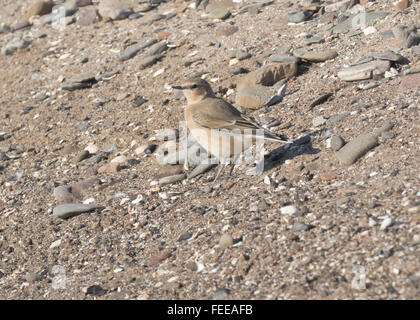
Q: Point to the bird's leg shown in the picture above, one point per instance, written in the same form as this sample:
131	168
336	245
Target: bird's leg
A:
218	174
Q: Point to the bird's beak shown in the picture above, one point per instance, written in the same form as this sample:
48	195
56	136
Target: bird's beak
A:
178	87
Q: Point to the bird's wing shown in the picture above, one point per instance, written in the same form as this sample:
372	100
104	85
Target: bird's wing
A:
215	113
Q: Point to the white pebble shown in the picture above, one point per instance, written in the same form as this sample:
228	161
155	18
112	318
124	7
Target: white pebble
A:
290	210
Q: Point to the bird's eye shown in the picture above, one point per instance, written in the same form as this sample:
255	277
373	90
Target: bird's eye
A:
194	86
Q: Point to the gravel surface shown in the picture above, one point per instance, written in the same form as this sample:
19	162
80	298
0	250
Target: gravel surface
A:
335	215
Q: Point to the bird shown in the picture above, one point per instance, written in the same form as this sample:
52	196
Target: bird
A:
221	129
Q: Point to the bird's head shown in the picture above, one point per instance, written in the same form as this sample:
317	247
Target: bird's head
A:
195	90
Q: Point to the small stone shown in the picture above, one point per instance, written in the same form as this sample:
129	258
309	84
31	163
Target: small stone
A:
39	8
284	58
226	241
55	244
364	71
109	168
389	55
300	226
336	143
172	179
401	5
82	156
157	48
221	293
135	16
239	70
315	56
87	17
319	121
134	49
95	290
289	210
185	236
191	265
387	222
300	16
157	259
253	97
148	61
63	194
69	210
14	45
122	160
388	135
115	9
219	13
26	110
20	25
241	55
227	31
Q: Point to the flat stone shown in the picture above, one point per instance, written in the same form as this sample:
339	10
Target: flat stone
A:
225	241
289	210
389	55
39	8
360	145
200	169
219	13
157	48
241	55
300	226
148	61
63	194
172	179
336	143
318	121
82	156
283	58
134	49
359	21
110	168
68	210
185	236
221	293
253	97
315	56
268	75
115	9
87	16
14	45
364	71
300	16
20	25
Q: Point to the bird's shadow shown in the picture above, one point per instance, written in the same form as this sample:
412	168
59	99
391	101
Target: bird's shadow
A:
278	156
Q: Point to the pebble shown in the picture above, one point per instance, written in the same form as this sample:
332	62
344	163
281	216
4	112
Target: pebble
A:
409	82
290	210
315	56
87	17
387	135
268	75
122	160
221	293
319	121
39	8
114	9
138	101
387	222
63	194
300	226
185	236
283	58
389	55
336	143
172	179
300	16
239	70
364	71
148	61
68	210
55	244
14	45
157	48
360	145
109	168
95	290
219	13
150	149
253	97
353	21
134	49
200	169
83	155
241	55
226	241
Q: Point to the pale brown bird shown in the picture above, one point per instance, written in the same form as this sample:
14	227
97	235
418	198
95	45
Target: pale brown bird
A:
221	129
